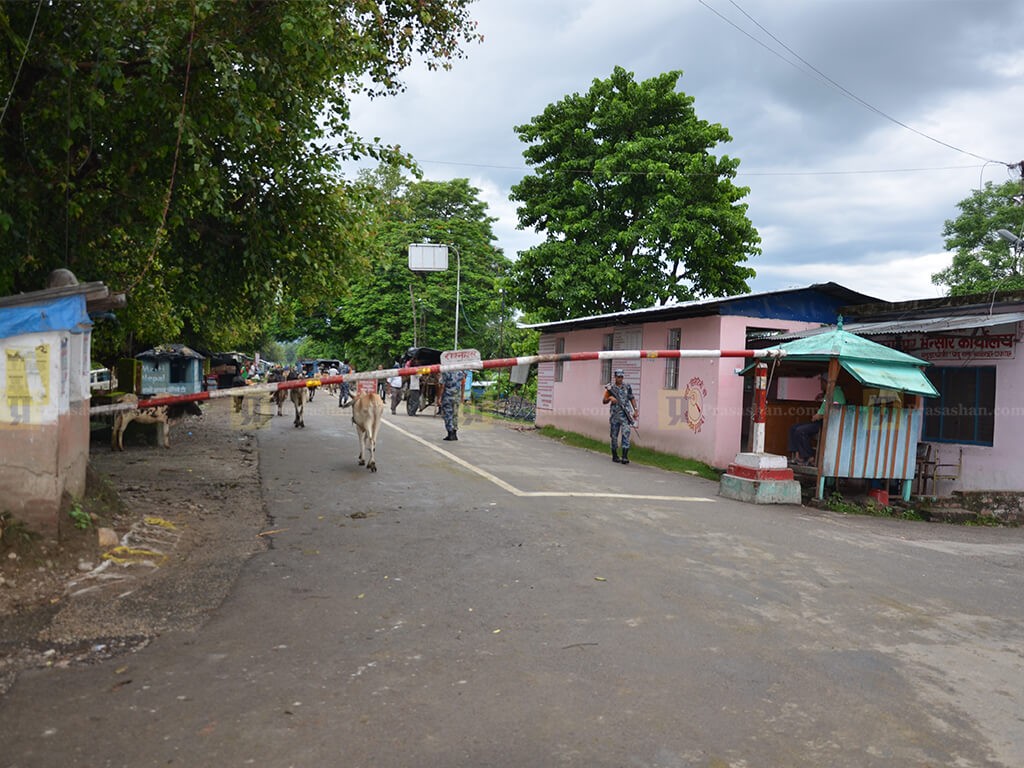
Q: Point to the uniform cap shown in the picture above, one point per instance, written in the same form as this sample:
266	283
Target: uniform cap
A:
619	372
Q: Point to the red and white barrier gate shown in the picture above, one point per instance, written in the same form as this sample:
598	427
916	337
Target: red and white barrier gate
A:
503	362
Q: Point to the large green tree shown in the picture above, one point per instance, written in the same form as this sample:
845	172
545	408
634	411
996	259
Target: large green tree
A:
188	151
982	260
635	207
390	308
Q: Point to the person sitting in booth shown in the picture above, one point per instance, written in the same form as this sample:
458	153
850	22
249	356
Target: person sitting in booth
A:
800	435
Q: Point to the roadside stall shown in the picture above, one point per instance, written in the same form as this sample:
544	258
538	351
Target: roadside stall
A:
173	369
874	435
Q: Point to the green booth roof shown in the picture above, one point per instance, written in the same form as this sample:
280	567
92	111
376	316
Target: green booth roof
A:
870	363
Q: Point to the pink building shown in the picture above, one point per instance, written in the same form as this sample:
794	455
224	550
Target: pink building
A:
697	408
972	435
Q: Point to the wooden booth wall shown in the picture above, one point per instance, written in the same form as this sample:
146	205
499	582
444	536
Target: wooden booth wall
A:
871	442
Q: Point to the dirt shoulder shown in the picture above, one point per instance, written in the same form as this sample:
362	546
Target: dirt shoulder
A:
186	518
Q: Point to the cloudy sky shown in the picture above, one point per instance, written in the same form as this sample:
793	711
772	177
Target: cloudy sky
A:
860	124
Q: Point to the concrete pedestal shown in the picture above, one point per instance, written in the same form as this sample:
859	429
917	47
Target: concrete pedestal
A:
760	478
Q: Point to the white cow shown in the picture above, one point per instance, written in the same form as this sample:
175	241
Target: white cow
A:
367	409
161	415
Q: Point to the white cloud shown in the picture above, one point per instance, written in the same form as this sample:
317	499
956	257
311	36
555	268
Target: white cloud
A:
887	276
951	70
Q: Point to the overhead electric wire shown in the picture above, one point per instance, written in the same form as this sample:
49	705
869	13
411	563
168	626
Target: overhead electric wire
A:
739	171
24	54
822	76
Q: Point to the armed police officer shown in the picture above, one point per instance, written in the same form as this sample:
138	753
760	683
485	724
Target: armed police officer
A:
622	414
451	386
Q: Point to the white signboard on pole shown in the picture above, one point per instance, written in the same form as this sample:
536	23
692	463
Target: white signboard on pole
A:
428	257
467	358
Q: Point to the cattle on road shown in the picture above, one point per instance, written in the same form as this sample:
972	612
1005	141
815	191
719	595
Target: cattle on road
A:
161	415
298	398
367	410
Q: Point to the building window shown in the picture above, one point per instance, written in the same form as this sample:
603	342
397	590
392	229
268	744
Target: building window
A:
559	365
672	364
179	371
964	411
607	344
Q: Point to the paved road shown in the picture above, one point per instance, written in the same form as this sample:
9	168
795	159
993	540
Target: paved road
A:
507	601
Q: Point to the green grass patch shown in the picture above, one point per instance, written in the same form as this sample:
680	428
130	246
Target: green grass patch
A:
837	503
637	454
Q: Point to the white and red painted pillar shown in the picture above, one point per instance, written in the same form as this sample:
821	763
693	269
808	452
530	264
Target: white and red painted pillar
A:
760	405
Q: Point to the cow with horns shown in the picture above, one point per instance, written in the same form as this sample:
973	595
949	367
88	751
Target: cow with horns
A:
367	410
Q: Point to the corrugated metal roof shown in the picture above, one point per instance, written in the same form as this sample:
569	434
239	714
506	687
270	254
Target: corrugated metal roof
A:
895	327
169	350
697	308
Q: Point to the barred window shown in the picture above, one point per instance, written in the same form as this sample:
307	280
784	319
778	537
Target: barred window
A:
672	364
179	371
607	344
559	365
964	411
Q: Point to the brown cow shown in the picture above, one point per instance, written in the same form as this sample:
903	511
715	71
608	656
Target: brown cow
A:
298	398
161	415
279	396
367	409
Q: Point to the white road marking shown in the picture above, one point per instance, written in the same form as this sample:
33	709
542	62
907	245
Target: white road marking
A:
506	486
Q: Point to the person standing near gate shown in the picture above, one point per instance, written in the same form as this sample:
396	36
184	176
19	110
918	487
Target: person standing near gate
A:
412	403
622	413
395	388
450	397
344	394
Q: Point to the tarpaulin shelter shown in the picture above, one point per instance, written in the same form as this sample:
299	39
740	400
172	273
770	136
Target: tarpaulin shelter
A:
46	337
878	438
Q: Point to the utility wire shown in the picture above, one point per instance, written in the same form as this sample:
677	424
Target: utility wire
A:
739	171
822	76
24	55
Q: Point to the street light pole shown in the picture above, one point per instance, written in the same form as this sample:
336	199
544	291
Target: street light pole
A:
1017	244
458	289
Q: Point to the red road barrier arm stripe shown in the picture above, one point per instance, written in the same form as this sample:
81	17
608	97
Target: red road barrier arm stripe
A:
423	370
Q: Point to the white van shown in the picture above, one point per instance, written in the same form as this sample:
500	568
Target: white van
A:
102	379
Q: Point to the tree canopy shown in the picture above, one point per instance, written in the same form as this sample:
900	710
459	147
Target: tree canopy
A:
635	207
189	152
982	260
390	308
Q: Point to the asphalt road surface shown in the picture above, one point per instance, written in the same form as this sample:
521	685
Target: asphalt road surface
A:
508	601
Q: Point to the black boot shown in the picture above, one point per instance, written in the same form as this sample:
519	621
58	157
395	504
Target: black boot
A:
450	436
615	456
455	434
625	455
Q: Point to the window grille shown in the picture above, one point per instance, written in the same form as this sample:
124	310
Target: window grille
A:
672	364
964	411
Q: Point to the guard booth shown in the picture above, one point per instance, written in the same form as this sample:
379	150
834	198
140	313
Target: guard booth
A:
874	436
174	369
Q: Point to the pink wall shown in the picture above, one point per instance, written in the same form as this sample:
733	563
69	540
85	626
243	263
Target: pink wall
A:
701	418
996	467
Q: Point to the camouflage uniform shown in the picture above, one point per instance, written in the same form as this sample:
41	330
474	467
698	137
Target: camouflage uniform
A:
618	417
450	400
